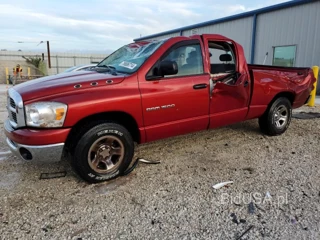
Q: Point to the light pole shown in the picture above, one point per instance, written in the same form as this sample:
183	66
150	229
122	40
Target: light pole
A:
48	51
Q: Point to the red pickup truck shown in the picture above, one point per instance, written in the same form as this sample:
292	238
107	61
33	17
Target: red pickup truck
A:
146	91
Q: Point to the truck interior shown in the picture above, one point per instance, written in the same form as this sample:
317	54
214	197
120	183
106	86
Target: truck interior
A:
222	62
188	58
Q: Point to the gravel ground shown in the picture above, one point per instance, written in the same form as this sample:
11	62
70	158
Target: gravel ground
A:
175	199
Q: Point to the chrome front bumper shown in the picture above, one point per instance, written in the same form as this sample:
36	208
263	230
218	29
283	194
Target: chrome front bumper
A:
34	153
41	153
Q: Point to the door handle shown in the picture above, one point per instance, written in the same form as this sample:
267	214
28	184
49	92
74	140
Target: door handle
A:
246	83
200	86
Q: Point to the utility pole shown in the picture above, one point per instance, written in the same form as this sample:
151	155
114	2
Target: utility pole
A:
49	58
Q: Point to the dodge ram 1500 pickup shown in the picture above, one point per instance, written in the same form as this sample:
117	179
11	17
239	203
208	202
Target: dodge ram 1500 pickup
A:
146	91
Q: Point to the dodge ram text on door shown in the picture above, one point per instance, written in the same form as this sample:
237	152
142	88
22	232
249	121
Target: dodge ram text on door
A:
146	91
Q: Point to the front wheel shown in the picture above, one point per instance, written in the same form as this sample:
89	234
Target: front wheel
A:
277	118
103	152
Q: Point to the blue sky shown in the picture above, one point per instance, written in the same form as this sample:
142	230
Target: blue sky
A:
104	25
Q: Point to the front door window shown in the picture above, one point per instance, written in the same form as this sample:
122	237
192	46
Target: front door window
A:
188	58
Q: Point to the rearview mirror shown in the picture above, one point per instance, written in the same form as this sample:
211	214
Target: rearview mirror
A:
168	68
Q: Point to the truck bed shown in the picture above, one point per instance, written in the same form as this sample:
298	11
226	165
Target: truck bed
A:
295	74
269	81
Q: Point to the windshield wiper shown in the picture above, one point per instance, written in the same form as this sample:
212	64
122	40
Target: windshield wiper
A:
109	68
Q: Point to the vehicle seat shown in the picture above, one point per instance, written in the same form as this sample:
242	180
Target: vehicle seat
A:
193	65
223	67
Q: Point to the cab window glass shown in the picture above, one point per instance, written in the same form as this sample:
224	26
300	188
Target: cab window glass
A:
188	59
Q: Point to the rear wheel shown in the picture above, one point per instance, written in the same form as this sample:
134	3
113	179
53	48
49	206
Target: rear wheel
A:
103	152
277	118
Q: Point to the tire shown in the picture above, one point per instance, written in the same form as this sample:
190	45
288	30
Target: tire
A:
103	152
277	118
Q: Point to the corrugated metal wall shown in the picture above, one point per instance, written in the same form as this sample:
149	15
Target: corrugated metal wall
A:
238	30
292	26
299	26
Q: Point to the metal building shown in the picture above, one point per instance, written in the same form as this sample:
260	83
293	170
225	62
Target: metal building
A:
289	32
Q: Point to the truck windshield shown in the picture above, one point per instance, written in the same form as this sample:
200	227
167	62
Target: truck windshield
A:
129	58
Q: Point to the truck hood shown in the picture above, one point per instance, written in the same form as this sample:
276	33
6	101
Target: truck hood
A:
65	82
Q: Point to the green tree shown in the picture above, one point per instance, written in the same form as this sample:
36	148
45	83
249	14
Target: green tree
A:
37	62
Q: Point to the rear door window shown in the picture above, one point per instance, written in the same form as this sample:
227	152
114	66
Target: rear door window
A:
222	58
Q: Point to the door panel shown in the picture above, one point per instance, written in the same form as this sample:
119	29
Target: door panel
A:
172	106
229	103
231	83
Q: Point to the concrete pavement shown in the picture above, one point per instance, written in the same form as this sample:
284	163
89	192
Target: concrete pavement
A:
4	88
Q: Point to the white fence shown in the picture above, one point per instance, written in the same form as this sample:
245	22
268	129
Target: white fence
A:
59	61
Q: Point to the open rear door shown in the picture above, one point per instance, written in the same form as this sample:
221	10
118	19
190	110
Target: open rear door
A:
230	82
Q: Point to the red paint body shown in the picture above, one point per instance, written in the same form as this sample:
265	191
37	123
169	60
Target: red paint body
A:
193	110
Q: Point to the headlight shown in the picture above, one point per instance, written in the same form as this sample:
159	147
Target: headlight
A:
46	114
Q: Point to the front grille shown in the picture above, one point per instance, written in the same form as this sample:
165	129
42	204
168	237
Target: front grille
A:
12	103
14	117
15	109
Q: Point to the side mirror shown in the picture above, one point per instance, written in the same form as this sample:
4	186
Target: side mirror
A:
168	68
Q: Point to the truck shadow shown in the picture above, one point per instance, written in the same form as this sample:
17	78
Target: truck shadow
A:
250	126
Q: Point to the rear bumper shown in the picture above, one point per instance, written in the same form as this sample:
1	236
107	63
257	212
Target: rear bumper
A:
303	90
36	145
